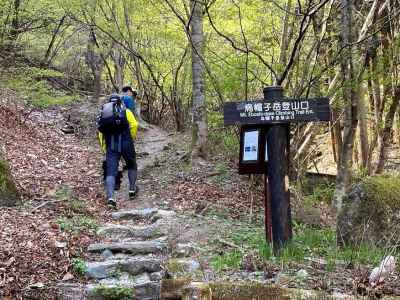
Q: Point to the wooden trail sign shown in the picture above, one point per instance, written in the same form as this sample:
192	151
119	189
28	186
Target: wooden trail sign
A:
264	148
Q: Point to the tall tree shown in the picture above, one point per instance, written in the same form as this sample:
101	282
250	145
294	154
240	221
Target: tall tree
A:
199	131
350	120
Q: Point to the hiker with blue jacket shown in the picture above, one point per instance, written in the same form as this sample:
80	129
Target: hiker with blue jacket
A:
129	98
117	128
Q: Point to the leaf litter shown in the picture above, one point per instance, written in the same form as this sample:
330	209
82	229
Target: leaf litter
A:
35	252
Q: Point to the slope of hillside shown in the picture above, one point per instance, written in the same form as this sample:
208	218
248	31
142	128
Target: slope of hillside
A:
36	247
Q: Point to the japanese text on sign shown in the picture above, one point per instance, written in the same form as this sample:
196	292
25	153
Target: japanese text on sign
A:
276	111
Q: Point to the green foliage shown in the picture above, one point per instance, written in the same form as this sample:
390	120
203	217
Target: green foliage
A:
114	292
320	193
307	242
78	206
77	224
78	266
364	254
63	193
224	142
228	260
382	191
224	173
31	83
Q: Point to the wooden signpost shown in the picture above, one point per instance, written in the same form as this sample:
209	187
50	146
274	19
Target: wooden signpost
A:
264	149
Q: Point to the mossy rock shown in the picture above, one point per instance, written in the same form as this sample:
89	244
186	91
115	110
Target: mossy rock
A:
371	212
113	292
183	268
173	288
8	191
253	290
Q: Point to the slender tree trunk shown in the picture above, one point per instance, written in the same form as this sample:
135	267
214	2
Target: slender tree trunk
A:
199	131
337	130
374	124
343	180
285	37
141	88
307	140
176	96
119	64
95	63
46	59
377	117
386	132
389	92
363	126
15	22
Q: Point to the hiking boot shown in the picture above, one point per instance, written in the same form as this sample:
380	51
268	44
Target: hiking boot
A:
112	203
133	193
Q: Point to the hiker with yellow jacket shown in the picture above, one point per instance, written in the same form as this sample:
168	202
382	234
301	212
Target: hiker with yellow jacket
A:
117	132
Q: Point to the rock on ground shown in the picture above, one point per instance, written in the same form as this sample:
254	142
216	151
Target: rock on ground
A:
8	191
115	231
133	248
371	212
132	266
135	214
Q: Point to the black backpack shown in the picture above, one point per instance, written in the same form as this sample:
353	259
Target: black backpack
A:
112	118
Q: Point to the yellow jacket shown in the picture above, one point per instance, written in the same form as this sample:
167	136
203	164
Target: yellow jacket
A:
133	127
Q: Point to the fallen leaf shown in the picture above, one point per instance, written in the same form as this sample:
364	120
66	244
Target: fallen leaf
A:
60	244
10	262
67	277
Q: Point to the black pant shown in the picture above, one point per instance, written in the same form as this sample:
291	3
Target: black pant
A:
113	157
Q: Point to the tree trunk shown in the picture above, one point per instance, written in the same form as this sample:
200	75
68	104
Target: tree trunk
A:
386	132
374	120
47	56
343	180
285	37
305	145
389	92
338	139
363	126
15	22
95	63
119	64
199	132
142	91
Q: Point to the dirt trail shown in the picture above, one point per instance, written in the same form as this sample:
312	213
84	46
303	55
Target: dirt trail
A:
150	146
127	262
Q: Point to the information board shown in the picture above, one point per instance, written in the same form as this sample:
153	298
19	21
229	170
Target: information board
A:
250	146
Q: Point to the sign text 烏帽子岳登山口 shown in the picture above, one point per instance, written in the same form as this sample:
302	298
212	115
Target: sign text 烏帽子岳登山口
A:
277	111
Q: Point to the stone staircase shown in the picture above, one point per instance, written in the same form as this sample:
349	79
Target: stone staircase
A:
128	262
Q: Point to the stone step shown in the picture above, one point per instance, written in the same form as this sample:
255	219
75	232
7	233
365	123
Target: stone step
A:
134	248
162	214
131	266
115	231
134	214
148	290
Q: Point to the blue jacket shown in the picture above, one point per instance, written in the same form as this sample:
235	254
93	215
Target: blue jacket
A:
129	102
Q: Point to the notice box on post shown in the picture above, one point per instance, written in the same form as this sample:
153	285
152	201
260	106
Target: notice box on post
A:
253	157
